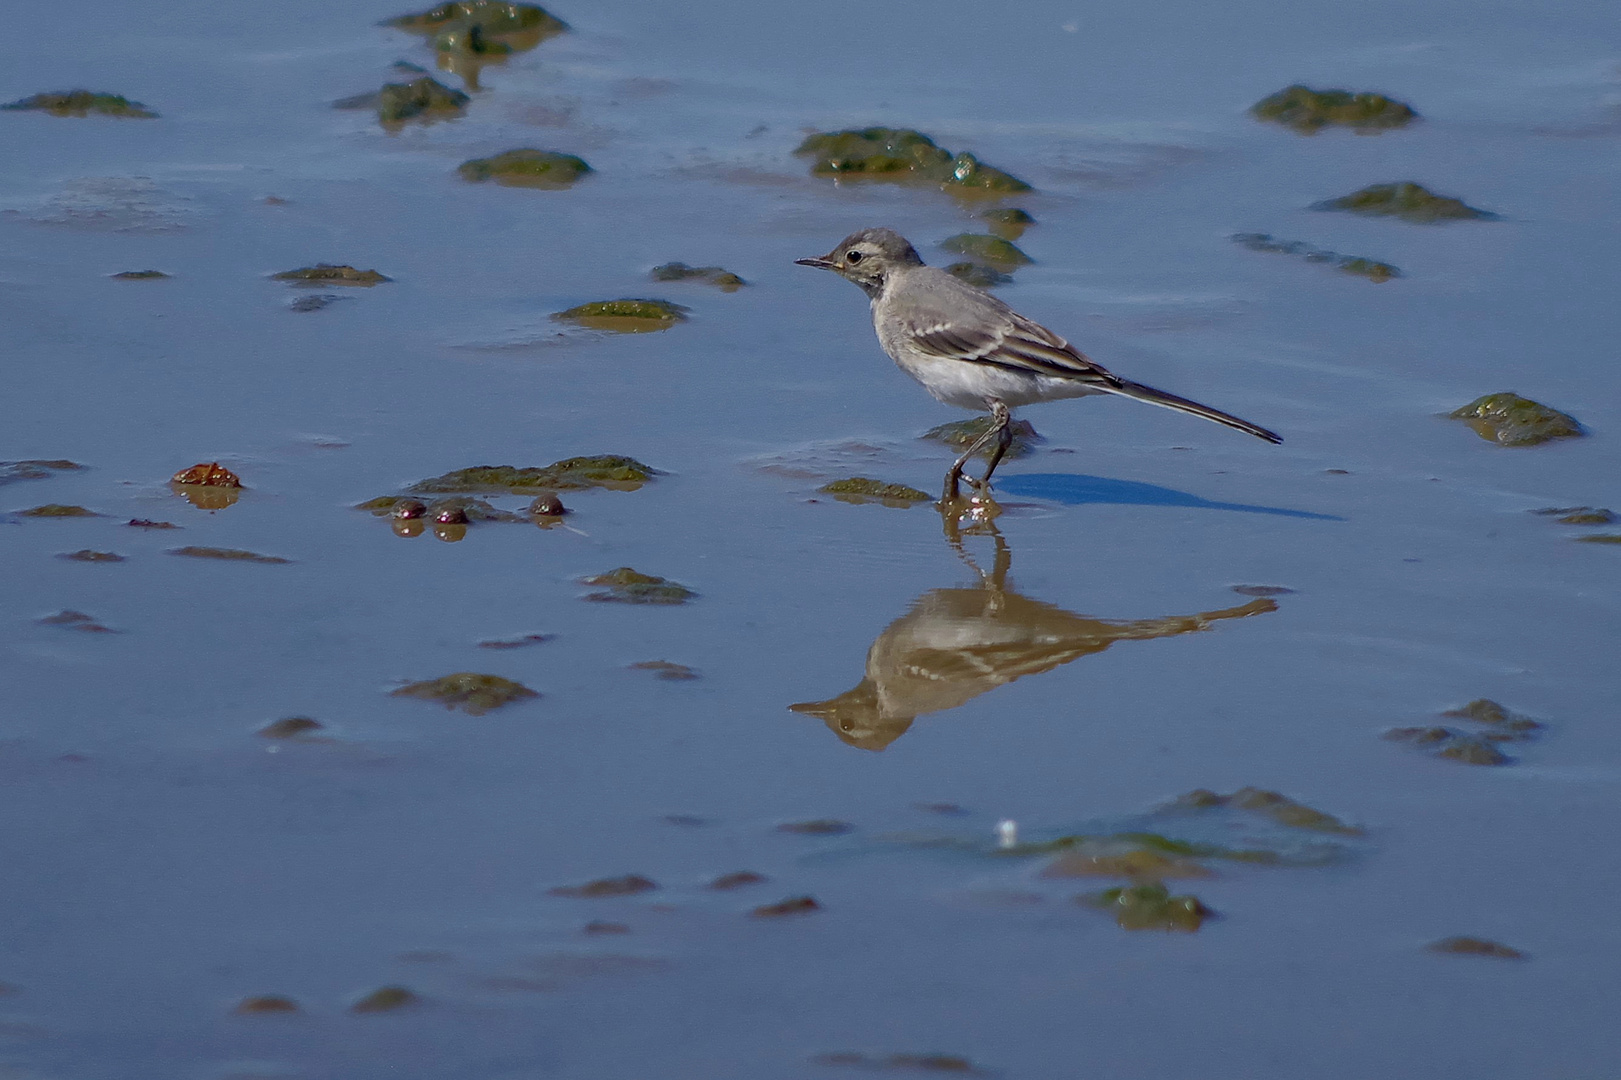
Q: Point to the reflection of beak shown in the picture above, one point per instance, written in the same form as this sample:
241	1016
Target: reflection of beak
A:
821	262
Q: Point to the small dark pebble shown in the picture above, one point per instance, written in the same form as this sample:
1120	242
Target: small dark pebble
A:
290	727
140	275
818	827
266	1005
385	999
547	505
739	880
794	905
144	523
629	885
449	513
1470	946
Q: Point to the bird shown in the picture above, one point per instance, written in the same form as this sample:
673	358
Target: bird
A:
972	351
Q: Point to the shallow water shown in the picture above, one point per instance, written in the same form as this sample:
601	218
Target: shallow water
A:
163	862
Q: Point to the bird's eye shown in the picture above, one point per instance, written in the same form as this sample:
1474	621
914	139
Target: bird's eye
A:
852	256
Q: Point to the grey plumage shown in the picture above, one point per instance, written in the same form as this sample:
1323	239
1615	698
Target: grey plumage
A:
971	350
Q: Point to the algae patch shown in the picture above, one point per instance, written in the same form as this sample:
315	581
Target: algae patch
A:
906	156
526	168
331	274
89	555
1510	420
1500	725
1371	269
629	316
860	489
961	434
978	275
665	670
627	586
1408	201
1579	515
991	251
139	275
226	554
12	471
1308	111
944	1063
1472	946
794	905
76	620
496	19
266	1005
385	999
628	885
83	103
57	510
1151	907
722	279
424	99
469	691
291	727
1008	222
612	471
1271	804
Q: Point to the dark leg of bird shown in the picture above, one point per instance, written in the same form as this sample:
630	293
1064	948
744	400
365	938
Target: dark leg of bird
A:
1002	424
953	477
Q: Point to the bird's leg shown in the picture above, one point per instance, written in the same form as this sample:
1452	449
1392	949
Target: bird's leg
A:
1002	426
952	493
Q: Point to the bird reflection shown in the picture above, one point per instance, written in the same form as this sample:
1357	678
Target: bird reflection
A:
956	644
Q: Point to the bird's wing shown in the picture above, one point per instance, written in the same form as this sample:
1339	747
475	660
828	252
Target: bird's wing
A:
1007	340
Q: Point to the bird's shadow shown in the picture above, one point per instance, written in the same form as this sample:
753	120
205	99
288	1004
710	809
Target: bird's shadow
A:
1075	489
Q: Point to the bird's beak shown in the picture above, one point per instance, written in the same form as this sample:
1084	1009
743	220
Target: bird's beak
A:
821	262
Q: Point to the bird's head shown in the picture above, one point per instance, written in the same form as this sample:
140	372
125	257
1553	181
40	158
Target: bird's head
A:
867	257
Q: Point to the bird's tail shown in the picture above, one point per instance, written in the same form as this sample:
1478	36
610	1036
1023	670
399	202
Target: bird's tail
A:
1130	389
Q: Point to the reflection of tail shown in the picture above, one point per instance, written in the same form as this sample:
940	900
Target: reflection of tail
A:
1138	391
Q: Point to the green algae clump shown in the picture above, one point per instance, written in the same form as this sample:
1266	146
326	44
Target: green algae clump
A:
1151	907
90	555
423	99
331	274
628	885
469	691
494	18
978	275
900	154
266	1005
990	251
1471	946
1372	269
1578	515
1510	420
961	434
12	471
722	279
627	586
385	999
1008	222
860	489
83	103
570	474
227	554
794	905
57	510
1308	111
1280	808
1601	538
526	168
629	316
1408	201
